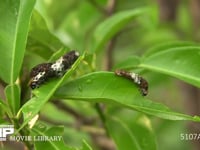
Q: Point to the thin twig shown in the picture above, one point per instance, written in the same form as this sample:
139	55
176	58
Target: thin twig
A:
79	117
54	122
62	106
111	7
96	5
86	128
109	53
111	45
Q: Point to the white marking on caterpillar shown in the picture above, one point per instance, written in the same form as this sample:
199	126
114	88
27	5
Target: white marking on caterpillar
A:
38	76
58	65
42	72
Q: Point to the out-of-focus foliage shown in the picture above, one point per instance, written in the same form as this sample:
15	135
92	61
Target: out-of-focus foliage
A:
98	105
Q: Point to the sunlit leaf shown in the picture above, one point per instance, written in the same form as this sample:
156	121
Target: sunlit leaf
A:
109	88
15	17
180	61
13	97
113	25
40	40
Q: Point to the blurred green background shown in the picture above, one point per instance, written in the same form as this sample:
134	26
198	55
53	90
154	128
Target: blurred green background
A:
74	21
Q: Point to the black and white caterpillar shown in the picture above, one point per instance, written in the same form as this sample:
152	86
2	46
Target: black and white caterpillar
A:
42	72
140	81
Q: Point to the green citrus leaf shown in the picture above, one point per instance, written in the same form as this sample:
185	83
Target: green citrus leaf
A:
109	88
113	25
15	17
